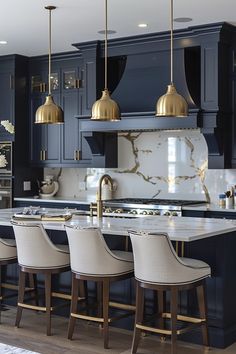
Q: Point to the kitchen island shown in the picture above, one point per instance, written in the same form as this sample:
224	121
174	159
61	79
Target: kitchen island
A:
210	240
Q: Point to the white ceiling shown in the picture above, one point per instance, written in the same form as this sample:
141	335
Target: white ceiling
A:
24	23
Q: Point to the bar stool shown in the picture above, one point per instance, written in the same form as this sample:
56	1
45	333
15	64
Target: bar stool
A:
91	259
7	256
37	254
157	267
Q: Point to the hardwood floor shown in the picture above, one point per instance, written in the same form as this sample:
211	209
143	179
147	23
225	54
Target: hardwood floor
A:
87	338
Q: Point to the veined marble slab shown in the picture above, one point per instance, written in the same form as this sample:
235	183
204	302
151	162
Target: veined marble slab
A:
179	228
9	349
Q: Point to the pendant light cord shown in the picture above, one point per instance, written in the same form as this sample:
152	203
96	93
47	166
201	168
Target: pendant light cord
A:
49	53
105	45
171	42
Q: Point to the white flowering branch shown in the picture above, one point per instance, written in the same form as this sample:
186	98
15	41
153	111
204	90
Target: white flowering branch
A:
8	126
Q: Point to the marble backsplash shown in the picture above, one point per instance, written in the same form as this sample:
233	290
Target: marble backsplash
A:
163	164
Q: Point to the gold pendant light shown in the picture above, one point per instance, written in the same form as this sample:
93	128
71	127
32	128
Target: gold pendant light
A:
105	109
171	104
49	112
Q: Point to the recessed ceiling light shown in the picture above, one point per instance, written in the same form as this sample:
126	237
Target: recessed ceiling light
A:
183	19
3	42
108	32
142	25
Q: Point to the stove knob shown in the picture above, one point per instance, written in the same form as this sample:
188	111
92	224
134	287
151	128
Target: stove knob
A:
143	212
174	213
167	213
134	212
108	210
119	211
150	212
157	212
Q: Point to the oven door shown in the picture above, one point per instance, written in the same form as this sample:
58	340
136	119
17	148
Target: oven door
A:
5	193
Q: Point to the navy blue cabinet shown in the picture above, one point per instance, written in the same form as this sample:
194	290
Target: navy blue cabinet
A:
58	145
13	88
7	89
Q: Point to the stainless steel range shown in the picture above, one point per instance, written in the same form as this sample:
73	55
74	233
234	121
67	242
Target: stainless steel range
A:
144	207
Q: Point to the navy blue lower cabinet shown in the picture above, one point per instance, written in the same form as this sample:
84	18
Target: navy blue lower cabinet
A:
194	213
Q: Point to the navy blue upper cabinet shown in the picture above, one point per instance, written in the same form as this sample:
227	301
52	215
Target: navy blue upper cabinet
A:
13	90
7	78
57	145
44	139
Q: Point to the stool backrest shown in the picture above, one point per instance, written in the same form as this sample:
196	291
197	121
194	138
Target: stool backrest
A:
155	260
90	255
34	248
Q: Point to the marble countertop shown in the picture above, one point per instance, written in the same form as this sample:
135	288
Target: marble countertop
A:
179	229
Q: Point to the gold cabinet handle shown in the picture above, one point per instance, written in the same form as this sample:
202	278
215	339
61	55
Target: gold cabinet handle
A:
42	87
78	83
43	155
77	155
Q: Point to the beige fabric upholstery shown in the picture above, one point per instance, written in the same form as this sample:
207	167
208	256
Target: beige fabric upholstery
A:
155	261
35	249
91	256
7	249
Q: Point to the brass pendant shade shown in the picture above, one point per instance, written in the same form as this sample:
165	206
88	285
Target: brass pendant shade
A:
49	112
105	109
171	104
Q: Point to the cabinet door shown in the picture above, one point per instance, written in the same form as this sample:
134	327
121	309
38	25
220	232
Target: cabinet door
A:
70	153
71	147
37	132
52	154
7	95
45	139
70	131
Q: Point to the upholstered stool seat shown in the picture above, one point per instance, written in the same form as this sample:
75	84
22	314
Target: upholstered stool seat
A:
157	267
7	249
37	254
91	259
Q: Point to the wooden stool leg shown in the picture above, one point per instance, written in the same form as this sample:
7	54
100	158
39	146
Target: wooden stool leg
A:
99	299
201	294
73	306
138	316
48	299
105	310
21	293
173	310
33	285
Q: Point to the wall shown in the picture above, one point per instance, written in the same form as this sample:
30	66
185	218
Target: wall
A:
153	165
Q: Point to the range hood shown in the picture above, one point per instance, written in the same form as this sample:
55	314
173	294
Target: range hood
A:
139	75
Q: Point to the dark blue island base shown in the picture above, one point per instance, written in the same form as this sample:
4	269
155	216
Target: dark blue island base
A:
218	251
